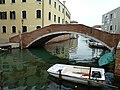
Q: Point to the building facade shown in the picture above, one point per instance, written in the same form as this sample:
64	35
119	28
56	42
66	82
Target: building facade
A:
111	21
20	16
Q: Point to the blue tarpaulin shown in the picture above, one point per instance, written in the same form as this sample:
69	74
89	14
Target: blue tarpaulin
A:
106	58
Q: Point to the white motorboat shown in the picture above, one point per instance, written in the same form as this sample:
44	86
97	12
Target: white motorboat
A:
78	74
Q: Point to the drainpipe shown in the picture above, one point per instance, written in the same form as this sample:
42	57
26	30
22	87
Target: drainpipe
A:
20	35
42	13
64	10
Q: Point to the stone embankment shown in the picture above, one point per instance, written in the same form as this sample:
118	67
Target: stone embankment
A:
7	44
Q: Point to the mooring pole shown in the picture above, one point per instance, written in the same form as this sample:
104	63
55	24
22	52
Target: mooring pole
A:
89	77
90	73
60	77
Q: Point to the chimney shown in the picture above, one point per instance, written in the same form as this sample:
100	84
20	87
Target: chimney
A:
64	2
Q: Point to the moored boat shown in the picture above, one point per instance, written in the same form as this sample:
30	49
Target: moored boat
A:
78	74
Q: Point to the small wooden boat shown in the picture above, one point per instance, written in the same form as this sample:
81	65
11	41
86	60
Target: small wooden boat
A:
78	74
96	45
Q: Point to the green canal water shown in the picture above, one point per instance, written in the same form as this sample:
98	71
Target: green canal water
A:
26	69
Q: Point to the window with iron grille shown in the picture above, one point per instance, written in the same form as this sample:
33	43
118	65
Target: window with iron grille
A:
4	29
3	15
58	19
49	16
24	29
50	2
38	14
2	1
24	14
12	15
13	29
23	0
12	1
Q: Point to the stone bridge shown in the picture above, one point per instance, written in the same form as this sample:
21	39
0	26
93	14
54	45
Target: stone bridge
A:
42	35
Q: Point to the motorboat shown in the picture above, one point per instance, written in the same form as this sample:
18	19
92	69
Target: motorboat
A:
79	74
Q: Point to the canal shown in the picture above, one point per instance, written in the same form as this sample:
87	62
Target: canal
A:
26	69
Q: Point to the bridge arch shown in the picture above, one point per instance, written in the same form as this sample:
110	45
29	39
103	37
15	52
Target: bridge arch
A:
44	38
49	32
41	40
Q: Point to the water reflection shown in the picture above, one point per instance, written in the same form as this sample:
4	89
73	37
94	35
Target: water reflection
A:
76	50
55	84
21	71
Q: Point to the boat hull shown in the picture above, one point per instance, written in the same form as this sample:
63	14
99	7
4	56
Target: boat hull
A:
69	73
80	80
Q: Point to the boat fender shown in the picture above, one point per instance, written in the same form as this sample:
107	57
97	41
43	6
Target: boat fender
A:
86	74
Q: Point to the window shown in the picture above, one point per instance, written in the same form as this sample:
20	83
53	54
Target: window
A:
111	16
24	29
4	29
12	1
2	1
38	27
115	27
58	19
63	10
115	14
67	15
54	4
23	0
49	16
3	15
62	21
59	7
50	2
38	14
38	0
12	15
13	29
54	18
23	14
111	28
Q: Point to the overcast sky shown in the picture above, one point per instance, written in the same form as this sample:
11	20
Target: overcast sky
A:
89	12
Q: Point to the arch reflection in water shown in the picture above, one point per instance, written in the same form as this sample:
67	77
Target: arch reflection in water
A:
76	50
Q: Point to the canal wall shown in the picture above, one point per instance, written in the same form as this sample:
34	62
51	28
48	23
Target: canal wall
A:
12	45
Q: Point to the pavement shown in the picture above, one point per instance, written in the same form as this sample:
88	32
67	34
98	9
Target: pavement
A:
6	43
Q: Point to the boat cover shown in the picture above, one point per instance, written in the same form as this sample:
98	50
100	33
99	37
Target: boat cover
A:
106	58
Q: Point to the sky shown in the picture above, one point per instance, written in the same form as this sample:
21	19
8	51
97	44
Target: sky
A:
89	12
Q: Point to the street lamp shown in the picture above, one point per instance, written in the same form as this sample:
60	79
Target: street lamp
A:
20	35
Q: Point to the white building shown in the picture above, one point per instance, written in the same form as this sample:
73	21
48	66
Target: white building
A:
111	21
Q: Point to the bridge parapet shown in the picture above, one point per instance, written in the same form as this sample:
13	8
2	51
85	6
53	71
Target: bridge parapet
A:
110	40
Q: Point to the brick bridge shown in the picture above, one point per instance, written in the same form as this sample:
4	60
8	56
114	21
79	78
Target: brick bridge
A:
42	35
